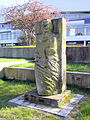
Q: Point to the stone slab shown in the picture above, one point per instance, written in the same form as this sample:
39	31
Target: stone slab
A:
63	111
53	100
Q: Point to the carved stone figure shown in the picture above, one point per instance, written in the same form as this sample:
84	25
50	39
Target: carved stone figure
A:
50	68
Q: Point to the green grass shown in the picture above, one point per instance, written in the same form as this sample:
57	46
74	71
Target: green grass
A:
67	99
83	109
9	111
77	45
25	65
19	46
11	89
81	67
14	59
35	46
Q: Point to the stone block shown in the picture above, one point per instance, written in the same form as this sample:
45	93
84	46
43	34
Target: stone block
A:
53	100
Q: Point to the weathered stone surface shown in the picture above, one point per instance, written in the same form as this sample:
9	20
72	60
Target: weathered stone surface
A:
24	74
18	52
53	100
80	79
50	68
78	54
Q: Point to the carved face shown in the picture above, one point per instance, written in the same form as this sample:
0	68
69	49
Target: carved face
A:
45	26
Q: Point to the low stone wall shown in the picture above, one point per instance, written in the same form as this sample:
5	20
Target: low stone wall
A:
78	54
15	73
18	52
80	79
1	72
74	54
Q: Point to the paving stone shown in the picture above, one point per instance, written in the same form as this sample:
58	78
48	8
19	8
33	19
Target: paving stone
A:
55	110
20	102
40	106
47	108
65	112
26	104
32	105
76	98
66	107
62	111
13	100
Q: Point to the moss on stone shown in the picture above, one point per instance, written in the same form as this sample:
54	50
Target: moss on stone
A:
66	99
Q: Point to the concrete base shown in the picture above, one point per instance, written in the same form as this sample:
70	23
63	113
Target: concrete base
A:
53	100
63	111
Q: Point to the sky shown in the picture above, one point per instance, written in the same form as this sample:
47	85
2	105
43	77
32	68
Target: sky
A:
65	5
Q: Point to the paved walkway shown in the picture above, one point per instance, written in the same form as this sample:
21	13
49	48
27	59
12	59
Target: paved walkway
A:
6	64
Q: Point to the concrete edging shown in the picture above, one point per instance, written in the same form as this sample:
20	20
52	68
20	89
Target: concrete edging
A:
16	73
81	79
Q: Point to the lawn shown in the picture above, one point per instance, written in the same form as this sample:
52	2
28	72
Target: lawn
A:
13	59
19	46
77	45
81	67
82	110
11	89
25	65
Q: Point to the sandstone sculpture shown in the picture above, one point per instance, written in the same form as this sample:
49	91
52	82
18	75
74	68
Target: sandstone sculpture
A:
50	68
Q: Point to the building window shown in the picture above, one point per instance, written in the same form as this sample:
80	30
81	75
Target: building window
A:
1	36
16	34
79	31
9	35
2	25
6	36
87	30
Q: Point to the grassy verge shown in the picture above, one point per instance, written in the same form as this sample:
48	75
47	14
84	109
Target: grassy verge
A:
13	59
19	46
77	45
11	89
81	67
74	45
25	65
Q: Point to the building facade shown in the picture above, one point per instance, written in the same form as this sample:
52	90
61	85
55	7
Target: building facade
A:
78	27
8	35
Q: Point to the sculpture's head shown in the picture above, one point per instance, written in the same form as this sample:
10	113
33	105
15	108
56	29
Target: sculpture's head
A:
43	27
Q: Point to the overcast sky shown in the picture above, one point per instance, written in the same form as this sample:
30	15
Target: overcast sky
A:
66	5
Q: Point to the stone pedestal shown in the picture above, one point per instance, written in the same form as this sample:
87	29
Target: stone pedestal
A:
53	100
